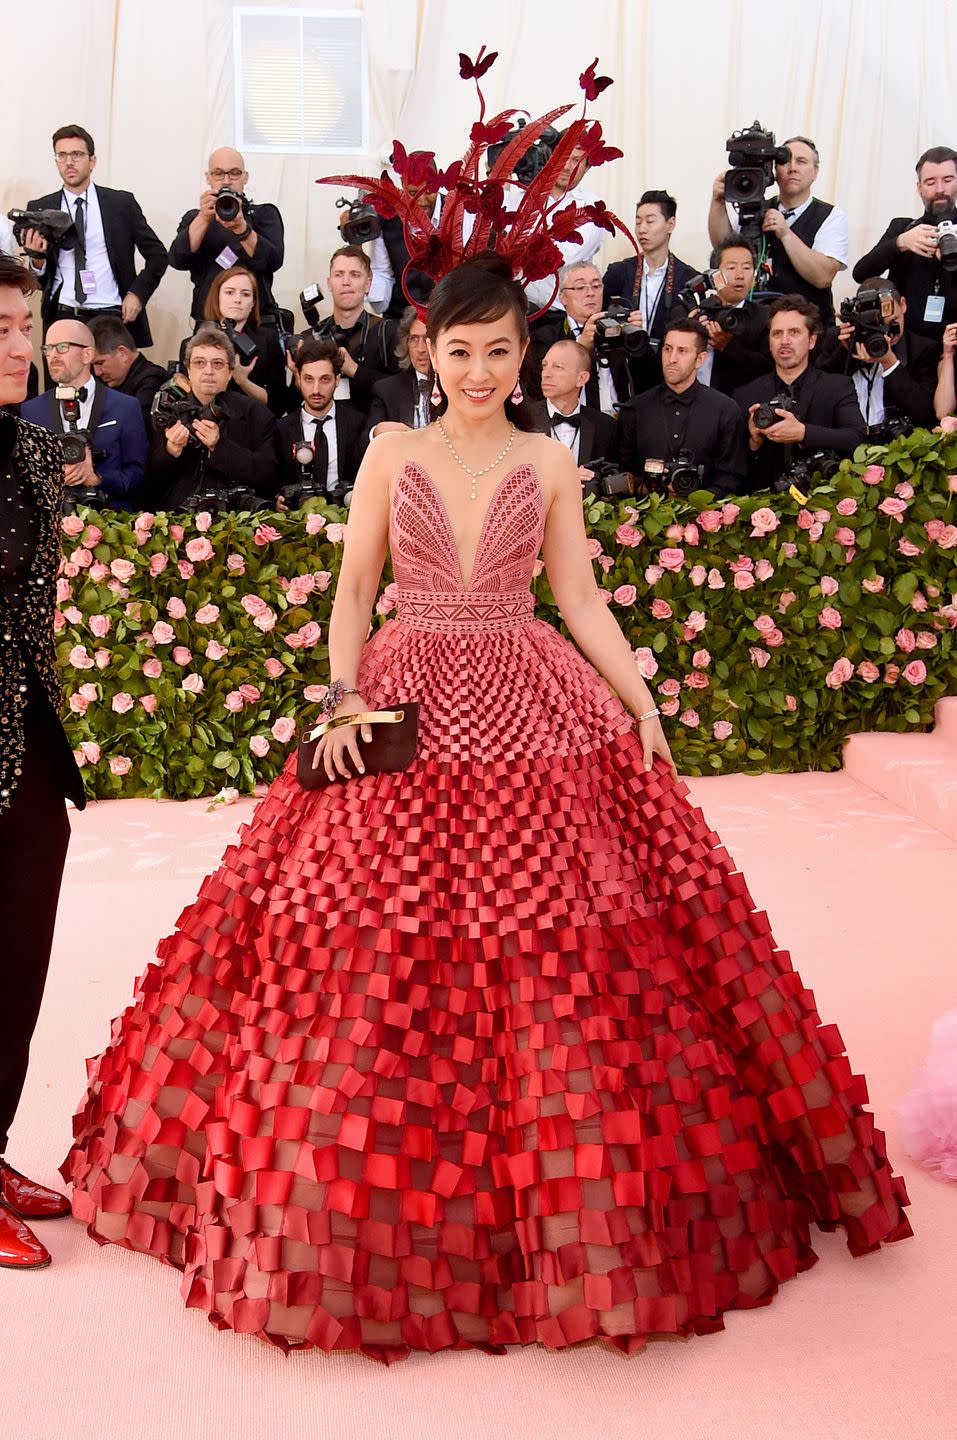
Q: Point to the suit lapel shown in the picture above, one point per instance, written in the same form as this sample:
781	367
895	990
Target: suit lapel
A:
586	437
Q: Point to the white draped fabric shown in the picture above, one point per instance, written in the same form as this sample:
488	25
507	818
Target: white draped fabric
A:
873	83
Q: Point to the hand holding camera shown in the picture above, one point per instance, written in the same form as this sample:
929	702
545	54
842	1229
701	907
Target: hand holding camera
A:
775	420
919	240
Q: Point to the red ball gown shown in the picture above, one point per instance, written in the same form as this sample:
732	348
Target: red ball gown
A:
492	1051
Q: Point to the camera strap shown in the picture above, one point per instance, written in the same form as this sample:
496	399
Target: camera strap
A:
665	291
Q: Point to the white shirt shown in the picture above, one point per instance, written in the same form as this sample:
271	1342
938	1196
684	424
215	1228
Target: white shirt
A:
871	400
423	415
652	284
569	435
831	239
384	278
540	292
104	292
310	423
83	423
7	243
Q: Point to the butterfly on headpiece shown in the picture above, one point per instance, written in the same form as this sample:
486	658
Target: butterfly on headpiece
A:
528	233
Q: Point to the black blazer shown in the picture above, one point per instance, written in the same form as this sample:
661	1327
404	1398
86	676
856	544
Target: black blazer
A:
245	456
27	630
828	406
746	355
394	398
126	230
910	388
915	277
597	435
554	326
265	260
619	279
351	442
143	379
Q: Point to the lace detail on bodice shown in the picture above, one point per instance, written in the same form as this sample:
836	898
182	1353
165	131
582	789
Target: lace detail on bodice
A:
426	563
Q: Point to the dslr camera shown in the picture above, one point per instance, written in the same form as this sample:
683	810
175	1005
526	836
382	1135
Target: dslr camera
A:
359	220
701	294
752	156
55	226
74	444
608	481
229	203
802	471
614	332
680	476
893	425
245	347
871	314
208	497
174	403
946	242
535	158
764	416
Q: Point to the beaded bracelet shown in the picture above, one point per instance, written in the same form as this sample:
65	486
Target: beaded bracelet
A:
334	696
649	715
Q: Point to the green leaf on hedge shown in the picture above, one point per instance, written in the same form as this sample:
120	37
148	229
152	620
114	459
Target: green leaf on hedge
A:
905	587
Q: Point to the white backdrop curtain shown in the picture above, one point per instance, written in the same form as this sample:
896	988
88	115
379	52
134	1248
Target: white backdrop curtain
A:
873	84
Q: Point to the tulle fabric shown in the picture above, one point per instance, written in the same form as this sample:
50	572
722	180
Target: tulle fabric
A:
928	1112
494	1051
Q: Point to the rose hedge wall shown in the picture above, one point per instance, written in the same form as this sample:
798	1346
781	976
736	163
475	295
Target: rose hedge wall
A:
769	629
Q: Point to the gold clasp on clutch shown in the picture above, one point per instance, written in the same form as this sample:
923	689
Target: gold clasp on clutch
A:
365	717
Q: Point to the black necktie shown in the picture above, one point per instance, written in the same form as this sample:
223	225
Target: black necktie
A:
321	448
575	421
79	251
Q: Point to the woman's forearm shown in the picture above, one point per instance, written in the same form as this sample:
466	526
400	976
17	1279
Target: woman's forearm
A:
597	635
348	631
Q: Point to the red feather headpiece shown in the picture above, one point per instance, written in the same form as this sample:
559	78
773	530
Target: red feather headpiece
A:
526	235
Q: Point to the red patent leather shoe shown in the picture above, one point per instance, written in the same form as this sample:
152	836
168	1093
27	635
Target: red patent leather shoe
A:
28	1199
19	1247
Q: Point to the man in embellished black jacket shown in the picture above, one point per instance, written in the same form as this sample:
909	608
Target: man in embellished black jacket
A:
37	769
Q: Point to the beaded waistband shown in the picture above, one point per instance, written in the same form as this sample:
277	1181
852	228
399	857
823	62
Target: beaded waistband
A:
465	610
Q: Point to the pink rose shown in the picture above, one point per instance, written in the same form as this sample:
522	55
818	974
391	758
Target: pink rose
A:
701	659
314	524
669	687
144	521
952	482
829	585
840	672
152	668
78	704
646	662
92	536
177	532
774	638
763	522
63	590
254	605
904	489
175	608
697	681
59	622
759	657
122	703
926	640
80	758
337	533
79	659
698	575
874	586
100	625
790	702
250	693
847	506
134	610
72	526
120	764
905	640
722	729
710	520
74	615
310	634
235	564
207	614
653	574
947	538
787	599
675	532
742	562
763	624
804	519
844	535
82	557
815	532
715	580
671	558
908	548
215	651
123	569
661	610
200	549
387	600
690	534
266	621
933	528
743	580
193	684
949	422
69	569
90	751
89	691
695	623
822	516
691	718
787	549
182	655
233	701
892	505
670	707
185	568
158	563
868	671
763	570
162	633
628	536
149	703
99	572
323	579
891	674
915	673
625	595
830	618
274	668
873	475
265	534
202	522
259	746
729	513
315	693
593	547
284	729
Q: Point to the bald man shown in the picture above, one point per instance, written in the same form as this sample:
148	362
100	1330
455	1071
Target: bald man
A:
114	460
206	243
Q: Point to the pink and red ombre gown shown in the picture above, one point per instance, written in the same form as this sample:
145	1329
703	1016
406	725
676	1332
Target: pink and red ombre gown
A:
493	1051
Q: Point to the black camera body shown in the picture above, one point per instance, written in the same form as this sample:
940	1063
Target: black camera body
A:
74	442
245	347
216	501
893	425
613	331
535	158
174	404
229	203
359	220
871	314
947	242
55	226
802	471
701	294
752	156
608	481
680	476
765	417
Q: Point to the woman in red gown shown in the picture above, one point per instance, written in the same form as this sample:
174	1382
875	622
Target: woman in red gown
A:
495	1050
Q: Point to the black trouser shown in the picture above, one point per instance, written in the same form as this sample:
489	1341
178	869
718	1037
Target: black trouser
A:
34	834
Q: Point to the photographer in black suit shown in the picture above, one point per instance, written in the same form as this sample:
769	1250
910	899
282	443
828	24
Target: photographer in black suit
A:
611	381
588	433
118	363
683	434
320	445
228	229
98	275
815	411
405	399
366	341
232	449
909	250
734	356
895	376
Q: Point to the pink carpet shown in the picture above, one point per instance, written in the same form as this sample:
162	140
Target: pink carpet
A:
99	1345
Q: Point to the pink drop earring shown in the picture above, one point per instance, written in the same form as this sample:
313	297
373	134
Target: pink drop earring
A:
517	396
436	392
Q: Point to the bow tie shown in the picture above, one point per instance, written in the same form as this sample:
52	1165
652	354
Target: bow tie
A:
82	393
786	214
575	421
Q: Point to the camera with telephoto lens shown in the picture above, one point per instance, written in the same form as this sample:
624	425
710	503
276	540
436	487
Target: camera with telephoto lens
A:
701	294
764	415
229	203
870	313
752	156
359	220
55	226
244	346
947	243
802	471
680	476
175	404
534	159
614	331
608	481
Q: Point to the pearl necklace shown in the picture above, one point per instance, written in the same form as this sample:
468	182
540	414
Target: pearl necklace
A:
476	474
